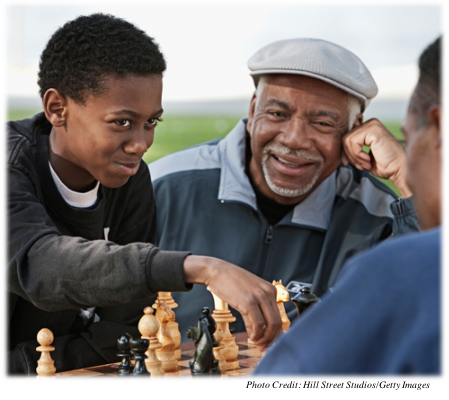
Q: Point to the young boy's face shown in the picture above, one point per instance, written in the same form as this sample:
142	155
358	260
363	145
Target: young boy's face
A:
106	138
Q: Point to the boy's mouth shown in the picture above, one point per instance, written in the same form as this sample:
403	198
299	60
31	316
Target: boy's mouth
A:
128	168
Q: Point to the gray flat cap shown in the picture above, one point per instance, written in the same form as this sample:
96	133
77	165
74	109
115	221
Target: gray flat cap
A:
319	59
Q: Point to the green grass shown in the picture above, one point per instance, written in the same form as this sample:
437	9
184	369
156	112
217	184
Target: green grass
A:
179	132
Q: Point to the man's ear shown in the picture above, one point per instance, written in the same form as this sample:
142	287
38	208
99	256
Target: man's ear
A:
55	107
358	121
434	116
252	108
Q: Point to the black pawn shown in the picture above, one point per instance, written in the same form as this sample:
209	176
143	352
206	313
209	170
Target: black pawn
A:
138	349
125	367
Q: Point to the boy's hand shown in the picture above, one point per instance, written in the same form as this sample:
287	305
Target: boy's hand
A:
252	296
387	158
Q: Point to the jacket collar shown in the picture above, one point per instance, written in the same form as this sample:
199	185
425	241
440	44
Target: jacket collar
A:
314	211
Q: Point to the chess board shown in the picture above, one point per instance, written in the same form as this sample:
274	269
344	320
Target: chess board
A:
249	356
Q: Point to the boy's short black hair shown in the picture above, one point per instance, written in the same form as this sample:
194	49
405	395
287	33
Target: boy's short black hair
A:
85	51
428	88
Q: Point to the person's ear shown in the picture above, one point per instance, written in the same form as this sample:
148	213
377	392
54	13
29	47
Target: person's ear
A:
55	107
252	108
358	121
434	116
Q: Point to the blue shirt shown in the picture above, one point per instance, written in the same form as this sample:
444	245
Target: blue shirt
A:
382	317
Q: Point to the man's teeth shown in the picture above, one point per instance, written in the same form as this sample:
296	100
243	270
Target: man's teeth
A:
290	164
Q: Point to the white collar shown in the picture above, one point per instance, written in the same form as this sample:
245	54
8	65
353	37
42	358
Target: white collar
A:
75	199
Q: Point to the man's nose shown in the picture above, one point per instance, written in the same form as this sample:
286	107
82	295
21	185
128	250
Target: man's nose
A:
295	135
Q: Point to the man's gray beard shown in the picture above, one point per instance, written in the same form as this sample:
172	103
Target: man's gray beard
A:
299	153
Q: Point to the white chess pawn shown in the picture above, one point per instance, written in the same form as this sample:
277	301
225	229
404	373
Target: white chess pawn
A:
45	364
148	328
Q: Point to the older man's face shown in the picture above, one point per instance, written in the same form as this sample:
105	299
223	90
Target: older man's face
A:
296	124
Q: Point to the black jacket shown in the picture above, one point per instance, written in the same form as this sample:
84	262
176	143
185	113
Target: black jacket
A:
59	261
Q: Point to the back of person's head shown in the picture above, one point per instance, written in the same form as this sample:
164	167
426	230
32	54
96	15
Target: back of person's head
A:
428	88
85	51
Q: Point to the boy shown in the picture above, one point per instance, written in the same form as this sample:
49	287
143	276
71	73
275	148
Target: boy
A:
81	206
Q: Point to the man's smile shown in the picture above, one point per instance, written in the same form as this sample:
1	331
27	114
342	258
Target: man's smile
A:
291	161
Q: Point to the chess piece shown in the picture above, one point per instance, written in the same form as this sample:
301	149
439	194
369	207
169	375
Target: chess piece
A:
212	327
166	354
223	318
203	360
169	301
218	337
282	296
138	348
304	299
148	327
125	368
45	364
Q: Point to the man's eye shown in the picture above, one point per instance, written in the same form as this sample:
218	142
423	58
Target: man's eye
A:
323	123
278	114
123	122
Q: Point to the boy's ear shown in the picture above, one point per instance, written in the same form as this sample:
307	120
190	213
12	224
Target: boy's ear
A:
434	116
55	107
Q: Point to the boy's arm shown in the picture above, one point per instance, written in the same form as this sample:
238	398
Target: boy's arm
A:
56	272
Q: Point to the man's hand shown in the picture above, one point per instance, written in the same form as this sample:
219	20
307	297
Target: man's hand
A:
387	158
252	296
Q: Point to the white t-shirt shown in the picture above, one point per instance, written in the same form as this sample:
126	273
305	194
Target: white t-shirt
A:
79	200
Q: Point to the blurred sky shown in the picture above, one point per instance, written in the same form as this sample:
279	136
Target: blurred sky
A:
207	45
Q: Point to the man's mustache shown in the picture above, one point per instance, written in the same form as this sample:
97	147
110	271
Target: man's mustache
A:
301	153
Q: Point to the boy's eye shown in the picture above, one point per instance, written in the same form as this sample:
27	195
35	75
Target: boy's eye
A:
123	122
154	121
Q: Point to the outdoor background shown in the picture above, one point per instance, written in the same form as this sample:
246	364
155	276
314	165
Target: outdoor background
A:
207	86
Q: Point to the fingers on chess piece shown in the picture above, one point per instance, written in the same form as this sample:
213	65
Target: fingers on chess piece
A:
125	368
138	348
45	364
203	362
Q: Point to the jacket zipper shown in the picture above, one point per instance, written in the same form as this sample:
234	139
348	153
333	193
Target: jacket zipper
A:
269	235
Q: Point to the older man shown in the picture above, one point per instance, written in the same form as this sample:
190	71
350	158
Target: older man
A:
383	315
272	196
